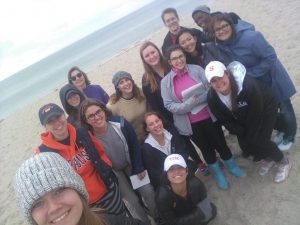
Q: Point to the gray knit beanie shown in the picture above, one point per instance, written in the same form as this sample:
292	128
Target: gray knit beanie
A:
119	76
201	8
42	174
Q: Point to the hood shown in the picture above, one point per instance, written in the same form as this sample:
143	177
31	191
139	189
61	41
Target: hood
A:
63	93
49	141
239	29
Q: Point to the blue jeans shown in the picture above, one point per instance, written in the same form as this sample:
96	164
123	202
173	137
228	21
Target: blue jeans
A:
286	121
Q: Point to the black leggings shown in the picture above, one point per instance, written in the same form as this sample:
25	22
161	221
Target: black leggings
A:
208	136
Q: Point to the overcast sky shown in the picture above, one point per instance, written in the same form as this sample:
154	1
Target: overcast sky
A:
33	29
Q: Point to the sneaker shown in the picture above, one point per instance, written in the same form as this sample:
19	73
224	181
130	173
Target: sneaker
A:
203	168
283	171
285	145
277	139
265	168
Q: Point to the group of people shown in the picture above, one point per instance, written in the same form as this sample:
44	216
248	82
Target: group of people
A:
225	74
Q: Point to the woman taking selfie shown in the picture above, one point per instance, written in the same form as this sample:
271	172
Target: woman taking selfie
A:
49	191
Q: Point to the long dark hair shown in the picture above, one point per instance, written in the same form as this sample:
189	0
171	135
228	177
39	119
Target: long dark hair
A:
173	48
234	91
85	105
149	72
86	79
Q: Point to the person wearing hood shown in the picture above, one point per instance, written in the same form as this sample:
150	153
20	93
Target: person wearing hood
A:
85	154
249	47
248	109
71	98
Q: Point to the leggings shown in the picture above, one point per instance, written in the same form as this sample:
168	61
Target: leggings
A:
208	136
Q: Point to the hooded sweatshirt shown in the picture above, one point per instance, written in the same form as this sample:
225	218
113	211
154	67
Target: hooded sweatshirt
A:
73	117
78	158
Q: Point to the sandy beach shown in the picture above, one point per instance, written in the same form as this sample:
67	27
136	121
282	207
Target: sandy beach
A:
253	200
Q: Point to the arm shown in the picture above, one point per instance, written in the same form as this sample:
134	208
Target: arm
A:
265	53
104	95
172	104
133	146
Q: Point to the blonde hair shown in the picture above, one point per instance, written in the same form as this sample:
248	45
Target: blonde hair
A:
149	72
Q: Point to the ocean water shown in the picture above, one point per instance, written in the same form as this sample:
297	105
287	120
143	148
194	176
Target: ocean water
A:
51	72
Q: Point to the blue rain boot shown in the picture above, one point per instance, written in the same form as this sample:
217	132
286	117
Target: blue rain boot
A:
234	168
219	175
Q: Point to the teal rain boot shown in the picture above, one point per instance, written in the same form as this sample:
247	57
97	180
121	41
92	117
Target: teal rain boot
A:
234	168
219	175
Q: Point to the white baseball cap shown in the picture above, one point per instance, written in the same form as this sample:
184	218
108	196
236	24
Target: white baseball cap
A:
174	159
214	69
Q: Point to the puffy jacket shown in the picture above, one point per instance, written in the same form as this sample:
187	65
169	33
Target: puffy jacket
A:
251	49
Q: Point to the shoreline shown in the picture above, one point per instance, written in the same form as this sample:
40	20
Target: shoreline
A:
253	200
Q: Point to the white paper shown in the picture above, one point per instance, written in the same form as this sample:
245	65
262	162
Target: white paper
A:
195	90
136	182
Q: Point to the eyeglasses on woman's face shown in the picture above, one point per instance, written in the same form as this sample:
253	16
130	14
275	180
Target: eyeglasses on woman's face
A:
92	116
224	27
175	59
76	76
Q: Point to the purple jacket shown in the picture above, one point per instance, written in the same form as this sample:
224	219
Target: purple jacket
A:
96	92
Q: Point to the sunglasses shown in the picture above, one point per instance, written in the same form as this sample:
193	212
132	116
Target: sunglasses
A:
77	76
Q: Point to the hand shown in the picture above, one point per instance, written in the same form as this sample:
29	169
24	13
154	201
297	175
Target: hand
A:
141	175
196	99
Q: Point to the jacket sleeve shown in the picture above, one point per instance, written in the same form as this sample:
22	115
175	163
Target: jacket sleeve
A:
263	51
100	150
151	163
173	105
134	147
105	96
255	113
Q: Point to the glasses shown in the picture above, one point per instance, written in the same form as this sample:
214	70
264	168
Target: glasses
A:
93	115
222	28
175	59
78	75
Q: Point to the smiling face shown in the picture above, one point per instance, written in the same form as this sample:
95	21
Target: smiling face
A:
78	79
95	117
201	19
125	86
154	125
177	174
60	207
172	22
58	126
188	42
223	30
74	100
151	56
177	59
221	84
